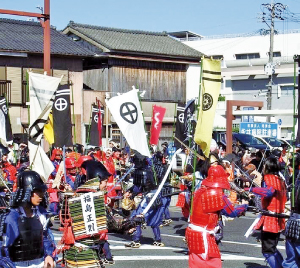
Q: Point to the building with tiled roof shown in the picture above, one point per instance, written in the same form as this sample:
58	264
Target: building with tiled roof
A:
27	36
21	48
135	42
153	62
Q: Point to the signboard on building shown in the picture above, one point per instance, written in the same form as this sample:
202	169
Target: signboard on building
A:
248	118
259	129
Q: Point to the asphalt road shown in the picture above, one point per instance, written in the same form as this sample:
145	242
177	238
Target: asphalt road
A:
237	251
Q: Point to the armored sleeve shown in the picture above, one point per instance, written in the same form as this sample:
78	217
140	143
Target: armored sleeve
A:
230	211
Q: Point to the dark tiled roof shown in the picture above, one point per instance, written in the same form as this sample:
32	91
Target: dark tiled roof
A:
135	41
27	36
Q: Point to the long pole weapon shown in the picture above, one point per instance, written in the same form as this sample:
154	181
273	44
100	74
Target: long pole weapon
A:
189	148
162	183
246	175
122	178
3	181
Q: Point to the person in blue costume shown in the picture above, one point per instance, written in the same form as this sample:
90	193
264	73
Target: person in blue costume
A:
26	240
143	180
153	218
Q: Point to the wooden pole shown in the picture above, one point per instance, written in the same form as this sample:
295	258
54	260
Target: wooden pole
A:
47	37
45	21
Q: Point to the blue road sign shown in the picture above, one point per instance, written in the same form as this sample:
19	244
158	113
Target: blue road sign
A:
248	118
259	129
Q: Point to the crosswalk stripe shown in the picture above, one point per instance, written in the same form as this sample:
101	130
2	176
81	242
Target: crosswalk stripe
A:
147	247
249	244
58	235
224	257
229	242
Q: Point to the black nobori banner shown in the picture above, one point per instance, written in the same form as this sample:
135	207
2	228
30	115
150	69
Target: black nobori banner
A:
62	123
96	125
180	124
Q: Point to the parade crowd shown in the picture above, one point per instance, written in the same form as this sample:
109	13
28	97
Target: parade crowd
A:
96	191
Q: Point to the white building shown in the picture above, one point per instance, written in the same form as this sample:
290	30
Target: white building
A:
244	78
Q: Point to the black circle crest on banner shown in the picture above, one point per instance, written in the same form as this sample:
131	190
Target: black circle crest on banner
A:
207	101
129	112
36	131
60	104
181	118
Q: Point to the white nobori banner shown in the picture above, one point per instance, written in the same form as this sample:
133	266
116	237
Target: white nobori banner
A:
88	212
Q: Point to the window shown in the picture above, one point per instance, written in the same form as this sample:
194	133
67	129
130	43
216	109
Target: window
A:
287	89
217	57
275	54
247	56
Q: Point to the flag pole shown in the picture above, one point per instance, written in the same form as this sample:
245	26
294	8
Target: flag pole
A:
15	155
28	96
89	132
148	138
73	115
296	60
152	166
99	120
174	123
195	159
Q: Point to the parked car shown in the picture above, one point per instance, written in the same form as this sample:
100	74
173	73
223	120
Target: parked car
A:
271	142
274	143
249	141
246	141
287	142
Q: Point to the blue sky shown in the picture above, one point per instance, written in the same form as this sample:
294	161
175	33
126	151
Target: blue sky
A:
215	17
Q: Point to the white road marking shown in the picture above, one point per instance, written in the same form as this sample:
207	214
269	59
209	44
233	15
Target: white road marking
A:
229	242
57	237
249	244
177	236
146	247
224	257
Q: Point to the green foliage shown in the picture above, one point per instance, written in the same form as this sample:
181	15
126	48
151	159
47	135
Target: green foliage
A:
236	129
221	98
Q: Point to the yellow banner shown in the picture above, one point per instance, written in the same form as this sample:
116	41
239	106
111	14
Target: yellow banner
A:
48	129
210	90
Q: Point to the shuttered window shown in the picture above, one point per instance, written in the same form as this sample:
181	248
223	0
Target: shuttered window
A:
15	75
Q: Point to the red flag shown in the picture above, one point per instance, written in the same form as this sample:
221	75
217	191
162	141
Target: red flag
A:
99	123
157	118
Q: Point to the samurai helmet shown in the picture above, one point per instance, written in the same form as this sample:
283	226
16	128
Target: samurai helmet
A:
55	152
217	178
95	169
78	148
70	162
82	159
27	182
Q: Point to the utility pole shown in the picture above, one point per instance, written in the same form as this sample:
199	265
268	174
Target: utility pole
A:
275	11
45	22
